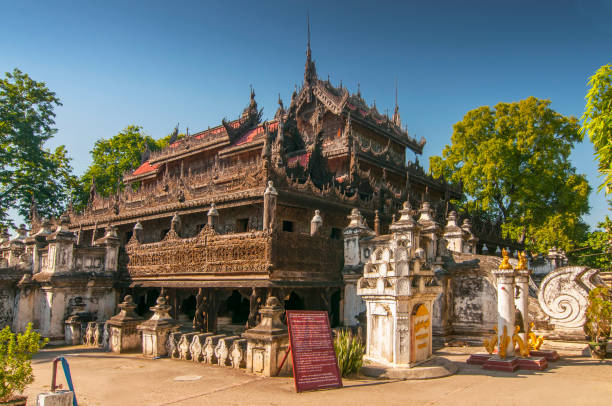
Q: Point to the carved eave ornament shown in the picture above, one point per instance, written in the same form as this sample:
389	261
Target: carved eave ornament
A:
62	233
426	220
406	222
249	119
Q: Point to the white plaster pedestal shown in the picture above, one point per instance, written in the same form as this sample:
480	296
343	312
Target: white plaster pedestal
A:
505	306
522	301
155	331
268	342
124	335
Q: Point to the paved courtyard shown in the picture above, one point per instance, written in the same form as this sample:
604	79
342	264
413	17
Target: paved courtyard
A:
106	379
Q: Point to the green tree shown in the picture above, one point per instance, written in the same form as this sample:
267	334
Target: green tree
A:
16	351
597	122
50	183
513	161
28	171
595	250
115	156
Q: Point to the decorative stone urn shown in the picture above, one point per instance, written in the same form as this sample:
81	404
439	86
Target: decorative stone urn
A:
268	342
155	331
124	335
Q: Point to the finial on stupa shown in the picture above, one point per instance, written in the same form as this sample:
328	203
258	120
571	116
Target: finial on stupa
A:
505	260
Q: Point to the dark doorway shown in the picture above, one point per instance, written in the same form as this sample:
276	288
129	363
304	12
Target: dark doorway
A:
242	225
295	302
238	308
288	226
188	307
146	301
336	233
141	306
334	316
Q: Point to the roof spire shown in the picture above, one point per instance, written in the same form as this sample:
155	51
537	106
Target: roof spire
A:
310	73
396	116
395	93
308	23
281	108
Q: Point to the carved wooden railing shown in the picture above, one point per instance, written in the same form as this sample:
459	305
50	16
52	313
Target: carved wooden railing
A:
256	252
207	253
173	190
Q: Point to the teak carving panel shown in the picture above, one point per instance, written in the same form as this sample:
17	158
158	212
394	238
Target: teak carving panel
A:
204	254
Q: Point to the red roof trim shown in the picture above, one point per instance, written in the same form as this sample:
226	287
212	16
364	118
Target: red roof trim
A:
255	133
146	167
302	160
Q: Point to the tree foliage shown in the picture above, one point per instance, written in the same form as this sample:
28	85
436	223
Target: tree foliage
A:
28	171
115	156
513	162
597	122
598	314
16	351
595	250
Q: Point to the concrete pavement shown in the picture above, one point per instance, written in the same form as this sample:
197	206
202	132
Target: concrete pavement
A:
107	379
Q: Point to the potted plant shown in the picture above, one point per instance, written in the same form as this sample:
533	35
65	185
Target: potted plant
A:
598	320
16	351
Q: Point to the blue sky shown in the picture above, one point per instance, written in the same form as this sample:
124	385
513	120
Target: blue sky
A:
156	63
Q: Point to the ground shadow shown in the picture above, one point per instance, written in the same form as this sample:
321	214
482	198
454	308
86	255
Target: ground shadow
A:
571	360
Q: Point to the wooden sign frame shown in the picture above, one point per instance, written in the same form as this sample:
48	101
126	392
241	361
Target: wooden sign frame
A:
315	365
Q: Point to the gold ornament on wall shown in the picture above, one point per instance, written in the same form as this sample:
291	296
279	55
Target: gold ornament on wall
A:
504	341
522	345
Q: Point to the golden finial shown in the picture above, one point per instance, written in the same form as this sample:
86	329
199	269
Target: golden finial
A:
505	261
522	261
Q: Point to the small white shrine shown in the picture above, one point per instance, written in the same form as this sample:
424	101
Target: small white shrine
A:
399	287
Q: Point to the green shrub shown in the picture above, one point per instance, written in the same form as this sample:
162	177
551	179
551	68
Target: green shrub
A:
16	351
599	314
349	350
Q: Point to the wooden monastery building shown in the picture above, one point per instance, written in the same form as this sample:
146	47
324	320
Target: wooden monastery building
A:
222	218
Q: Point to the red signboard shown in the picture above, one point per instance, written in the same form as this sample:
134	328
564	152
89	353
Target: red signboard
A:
315	365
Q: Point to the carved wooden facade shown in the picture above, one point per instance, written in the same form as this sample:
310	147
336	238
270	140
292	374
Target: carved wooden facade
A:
328	150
